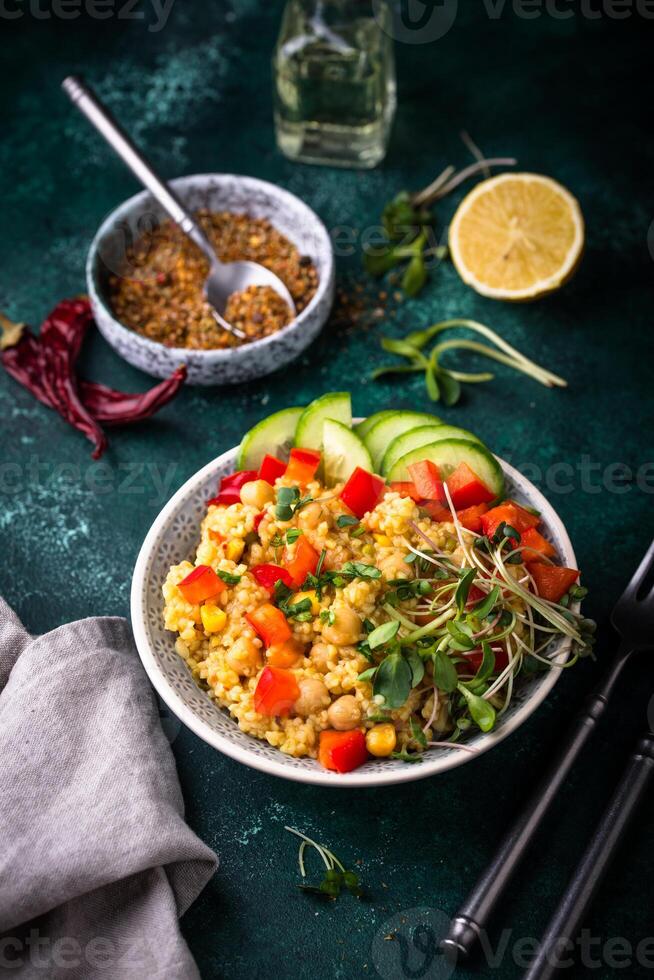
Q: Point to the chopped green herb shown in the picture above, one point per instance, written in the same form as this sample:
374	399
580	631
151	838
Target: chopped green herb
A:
417	734
406	756
321	562
228	577
358	569
345	520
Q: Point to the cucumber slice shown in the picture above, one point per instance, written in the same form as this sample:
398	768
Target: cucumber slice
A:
447	455
363	428
273	435
385	430
422	436
335	405
342	451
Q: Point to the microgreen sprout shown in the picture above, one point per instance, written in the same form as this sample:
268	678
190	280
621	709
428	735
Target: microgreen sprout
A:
336	876
408	223
444	384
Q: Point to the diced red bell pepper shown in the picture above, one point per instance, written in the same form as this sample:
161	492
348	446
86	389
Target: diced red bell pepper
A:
535	546
287	654
470	517
362	492
304	562
271	469
405	488
427	480
511	513
436	510
270	624
553	581
276	692
302	465
342	751
229	491
475	657
466	489
267	574
200	584
257	521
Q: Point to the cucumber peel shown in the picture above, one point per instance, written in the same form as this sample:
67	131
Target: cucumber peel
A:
336	405
422	436
343	451
386	429
273	435
447	455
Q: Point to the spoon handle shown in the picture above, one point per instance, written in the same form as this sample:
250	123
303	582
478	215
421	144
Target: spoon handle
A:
88	103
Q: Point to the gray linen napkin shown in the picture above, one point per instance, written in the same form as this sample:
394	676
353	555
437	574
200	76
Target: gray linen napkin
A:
96	861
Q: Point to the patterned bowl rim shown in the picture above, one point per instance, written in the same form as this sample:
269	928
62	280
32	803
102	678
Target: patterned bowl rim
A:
449	759
280	194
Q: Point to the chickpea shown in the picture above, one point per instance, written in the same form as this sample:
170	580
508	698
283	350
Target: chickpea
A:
244	657
257	493
344	713
381	740
394	566
442	721
321	655
309	516
346	628
314	696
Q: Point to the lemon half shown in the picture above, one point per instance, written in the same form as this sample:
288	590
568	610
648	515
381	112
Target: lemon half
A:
517	236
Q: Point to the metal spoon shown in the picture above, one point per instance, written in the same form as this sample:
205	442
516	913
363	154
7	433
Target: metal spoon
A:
224	278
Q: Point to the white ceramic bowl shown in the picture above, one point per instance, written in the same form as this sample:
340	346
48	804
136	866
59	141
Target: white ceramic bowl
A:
217	192
174	537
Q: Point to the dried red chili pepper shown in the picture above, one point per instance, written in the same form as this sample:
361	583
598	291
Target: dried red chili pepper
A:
119	408
45	365
61	337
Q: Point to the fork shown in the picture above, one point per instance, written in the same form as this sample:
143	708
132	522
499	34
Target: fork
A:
633	619
558	940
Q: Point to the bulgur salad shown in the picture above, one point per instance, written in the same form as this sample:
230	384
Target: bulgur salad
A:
344	615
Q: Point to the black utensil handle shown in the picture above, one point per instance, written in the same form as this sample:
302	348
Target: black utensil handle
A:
467	925
556	946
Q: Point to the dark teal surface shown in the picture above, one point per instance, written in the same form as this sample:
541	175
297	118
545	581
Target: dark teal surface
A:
568	97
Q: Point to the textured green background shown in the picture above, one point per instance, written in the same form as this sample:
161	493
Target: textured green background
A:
569	98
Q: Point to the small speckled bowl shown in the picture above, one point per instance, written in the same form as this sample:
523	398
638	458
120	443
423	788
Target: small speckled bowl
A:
217	192
174	537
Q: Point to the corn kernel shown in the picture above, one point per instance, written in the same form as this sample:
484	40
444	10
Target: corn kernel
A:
383	540
235	549
311	595
213	618
381	740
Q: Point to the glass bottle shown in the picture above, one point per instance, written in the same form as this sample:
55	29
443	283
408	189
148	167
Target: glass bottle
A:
334	82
